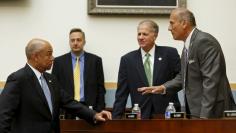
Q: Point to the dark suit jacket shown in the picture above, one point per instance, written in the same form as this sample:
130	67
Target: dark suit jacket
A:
207	90
94	89
24	108
132	76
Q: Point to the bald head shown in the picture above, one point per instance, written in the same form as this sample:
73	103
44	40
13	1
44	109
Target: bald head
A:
184	14
35	46
39	54
182	22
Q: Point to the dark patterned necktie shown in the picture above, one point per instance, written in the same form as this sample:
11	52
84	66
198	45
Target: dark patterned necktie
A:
185	52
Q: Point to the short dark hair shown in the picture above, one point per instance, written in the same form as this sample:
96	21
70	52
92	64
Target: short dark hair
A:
77	30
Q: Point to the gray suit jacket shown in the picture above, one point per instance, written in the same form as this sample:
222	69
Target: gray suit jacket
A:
207	89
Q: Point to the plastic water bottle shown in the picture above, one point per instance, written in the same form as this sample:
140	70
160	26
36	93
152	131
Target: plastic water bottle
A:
137	110
170	109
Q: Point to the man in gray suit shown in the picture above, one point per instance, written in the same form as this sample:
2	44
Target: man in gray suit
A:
203	70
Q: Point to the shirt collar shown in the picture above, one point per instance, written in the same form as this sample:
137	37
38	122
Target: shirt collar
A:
151	52
74	56
36	72
187	42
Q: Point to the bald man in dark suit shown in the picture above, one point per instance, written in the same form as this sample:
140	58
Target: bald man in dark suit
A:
31	98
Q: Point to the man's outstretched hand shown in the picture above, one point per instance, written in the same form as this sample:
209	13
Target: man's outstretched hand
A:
103	116
152	90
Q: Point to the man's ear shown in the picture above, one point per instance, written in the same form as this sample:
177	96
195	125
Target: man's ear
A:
185	24
35	57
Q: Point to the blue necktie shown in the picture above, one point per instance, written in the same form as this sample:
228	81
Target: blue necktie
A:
46	91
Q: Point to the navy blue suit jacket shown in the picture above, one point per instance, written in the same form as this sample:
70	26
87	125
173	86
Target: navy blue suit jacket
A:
24	108
132	76
94	90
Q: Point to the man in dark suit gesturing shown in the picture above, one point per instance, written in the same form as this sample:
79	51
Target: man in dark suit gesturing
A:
31	98
203	71
91	76
150	65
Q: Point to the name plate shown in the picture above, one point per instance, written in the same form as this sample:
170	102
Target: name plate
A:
230	114
131	116
177	115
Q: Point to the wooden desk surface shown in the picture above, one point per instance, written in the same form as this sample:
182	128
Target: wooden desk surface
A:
151	126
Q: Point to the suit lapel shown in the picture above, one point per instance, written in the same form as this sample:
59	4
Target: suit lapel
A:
140	67
69	71
190	54
87	66
35	84
195	32
157	65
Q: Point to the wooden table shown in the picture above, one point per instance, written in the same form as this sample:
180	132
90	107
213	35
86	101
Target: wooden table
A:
151	126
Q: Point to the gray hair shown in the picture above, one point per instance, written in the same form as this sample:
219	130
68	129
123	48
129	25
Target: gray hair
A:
152	25
185	14
34	46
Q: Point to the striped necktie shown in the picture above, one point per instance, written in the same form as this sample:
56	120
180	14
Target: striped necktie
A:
185	67
77	80
147	68
185	52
